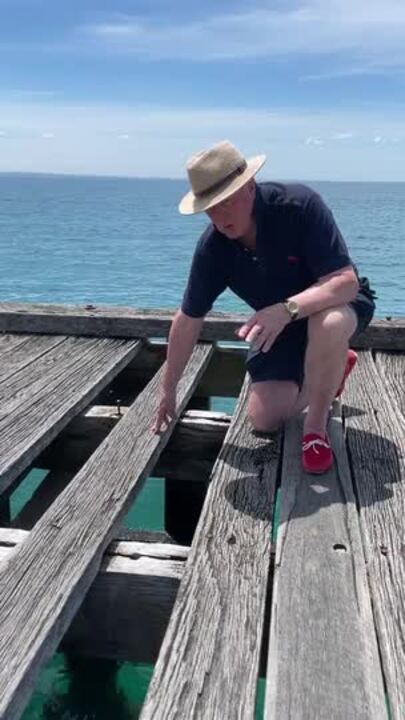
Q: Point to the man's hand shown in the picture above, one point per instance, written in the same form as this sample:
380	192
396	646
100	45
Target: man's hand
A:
166	410
264	326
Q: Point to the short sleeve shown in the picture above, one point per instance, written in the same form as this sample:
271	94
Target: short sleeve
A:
325	248
207	278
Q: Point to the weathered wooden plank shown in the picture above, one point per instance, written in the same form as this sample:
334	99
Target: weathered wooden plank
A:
391	367
127	609
18	352
376	440
108	321
323	656
37	404
208	664
42	589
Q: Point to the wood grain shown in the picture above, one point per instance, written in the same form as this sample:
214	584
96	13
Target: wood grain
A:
391	367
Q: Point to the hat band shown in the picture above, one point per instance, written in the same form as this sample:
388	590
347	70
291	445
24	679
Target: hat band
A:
228	178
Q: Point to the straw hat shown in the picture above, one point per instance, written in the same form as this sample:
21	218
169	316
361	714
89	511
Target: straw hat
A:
215	174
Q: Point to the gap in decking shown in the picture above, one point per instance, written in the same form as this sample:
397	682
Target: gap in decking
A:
272	562
223	376
88	687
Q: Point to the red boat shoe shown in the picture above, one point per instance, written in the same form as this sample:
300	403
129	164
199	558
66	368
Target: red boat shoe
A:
317	455
350	363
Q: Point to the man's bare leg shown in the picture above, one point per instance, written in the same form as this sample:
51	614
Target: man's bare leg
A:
329	332
271	403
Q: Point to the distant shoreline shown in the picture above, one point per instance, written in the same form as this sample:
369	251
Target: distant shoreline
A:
29	174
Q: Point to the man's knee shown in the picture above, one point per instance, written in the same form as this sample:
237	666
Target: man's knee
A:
271	403
336	324
265	422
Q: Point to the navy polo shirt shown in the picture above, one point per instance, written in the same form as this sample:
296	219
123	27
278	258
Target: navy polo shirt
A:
297	242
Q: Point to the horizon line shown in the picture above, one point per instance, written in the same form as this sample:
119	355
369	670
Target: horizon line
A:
41	173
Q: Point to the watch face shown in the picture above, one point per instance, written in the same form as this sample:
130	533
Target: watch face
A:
292	308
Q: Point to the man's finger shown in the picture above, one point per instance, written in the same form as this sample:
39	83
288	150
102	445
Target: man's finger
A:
160	418
254	333
157	425
242	332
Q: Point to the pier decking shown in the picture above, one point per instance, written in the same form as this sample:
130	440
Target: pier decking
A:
294	578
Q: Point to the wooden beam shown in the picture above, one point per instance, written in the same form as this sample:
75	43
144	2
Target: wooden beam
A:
209	662
323	656
42	589
375	427
108	321
126	611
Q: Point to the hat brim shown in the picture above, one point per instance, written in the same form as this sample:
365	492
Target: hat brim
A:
190	204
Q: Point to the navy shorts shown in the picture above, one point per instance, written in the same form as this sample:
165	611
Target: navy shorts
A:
285	359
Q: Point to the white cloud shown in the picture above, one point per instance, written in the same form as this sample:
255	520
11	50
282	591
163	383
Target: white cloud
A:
384	140
342	136
367	32
2	133
314	141
35	94
47	135
86	139
124	136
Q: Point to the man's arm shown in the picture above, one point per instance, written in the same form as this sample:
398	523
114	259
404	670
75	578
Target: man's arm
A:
184	333
336	288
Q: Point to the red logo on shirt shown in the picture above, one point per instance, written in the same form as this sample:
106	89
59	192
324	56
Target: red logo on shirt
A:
292	259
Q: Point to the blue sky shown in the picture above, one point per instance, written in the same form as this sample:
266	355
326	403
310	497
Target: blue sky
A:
133	88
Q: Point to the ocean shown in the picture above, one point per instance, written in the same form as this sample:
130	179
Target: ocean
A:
120	241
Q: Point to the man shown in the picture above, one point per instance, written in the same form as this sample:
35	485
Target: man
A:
278	248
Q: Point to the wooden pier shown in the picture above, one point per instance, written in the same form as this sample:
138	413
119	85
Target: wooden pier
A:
263	571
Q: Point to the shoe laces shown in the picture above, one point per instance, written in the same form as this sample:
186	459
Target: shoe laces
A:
313	443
